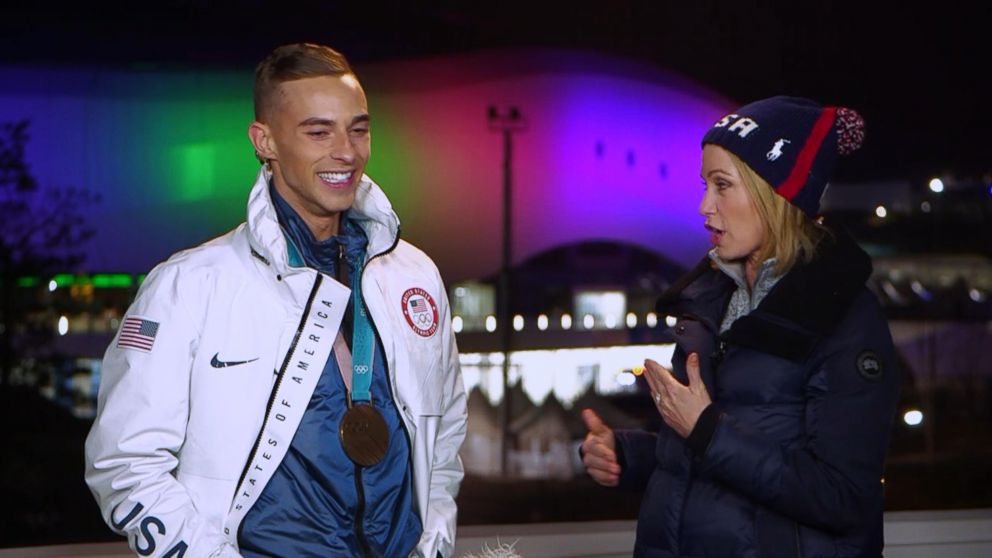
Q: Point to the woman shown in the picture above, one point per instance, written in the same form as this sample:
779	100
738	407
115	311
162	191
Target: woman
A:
783	390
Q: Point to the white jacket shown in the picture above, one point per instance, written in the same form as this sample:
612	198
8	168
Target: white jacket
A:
182	445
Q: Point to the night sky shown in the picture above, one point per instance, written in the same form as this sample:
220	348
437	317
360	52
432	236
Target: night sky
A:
920	76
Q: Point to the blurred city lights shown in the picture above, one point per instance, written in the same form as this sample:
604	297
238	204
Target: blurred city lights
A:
625	378
542	322
456	324
925	207
920	290
610	321
936	185
63	325
518	322
588	321
651	319
881	212
566	321
913	417
631	320
490	323
52	285
670	321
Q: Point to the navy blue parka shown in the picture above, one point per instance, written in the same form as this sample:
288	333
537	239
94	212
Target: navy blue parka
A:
788	459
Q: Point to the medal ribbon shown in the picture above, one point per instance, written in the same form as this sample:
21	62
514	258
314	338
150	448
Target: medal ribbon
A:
362	344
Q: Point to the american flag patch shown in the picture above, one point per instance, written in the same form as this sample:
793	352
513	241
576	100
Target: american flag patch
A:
417	304
137	333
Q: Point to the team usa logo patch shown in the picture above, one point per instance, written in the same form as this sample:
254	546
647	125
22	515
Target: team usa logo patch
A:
420	311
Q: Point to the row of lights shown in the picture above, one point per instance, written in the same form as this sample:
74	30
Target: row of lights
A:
62	326
936	186
923	293
588	322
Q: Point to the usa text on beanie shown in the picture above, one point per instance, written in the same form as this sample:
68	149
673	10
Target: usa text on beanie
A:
791	142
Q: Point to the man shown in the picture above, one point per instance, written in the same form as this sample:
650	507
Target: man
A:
291	388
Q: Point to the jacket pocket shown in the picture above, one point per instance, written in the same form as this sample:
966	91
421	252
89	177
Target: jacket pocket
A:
429	400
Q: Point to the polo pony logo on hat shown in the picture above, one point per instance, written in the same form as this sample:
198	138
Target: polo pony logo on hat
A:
776	151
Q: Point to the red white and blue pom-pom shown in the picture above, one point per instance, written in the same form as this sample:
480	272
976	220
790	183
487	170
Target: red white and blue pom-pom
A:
850	130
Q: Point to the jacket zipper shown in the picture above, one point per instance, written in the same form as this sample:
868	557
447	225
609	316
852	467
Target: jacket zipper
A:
718	355
275	388
363	543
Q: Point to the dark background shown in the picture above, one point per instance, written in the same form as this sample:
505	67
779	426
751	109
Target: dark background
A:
920	76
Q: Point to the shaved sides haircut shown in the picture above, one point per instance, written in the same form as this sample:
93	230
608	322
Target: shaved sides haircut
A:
290	63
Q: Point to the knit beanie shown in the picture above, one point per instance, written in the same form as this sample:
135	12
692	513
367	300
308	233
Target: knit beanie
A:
791	142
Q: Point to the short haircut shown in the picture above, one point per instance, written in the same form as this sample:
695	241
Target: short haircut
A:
292	62
790	235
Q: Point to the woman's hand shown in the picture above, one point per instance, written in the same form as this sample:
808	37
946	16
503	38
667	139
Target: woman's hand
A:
679	405
599	450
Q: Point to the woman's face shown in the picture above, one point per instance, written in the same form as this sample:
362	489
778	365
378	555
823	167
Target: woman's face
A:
736	230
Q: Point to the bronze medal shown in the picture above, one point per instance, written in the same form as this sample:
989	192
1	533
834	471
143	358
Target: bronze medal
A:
364	435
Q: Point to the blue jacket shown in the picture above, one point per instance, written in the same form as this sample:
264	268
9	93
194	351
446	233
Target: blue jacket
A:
788	460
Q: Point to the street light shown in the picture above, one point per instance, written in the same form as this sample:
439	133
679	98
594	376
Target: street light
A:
506	122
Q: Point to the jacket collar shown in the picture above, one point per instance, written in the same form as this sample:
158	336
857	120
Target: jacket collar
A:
371	210
807	304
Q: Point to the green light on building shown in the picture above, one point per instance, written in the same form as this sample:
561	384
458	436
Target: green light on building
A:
98	280
111	281
64	279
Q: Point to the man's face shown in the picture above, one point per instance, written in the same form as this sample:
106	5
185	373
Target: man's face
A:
318	143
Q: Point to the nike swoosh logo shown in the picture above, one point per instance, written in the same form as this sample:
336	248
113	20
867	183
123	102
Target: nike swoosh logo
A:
217	363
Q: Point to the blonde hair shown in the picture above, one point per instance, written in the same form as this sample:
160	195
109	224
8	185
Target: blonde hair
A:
790	235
